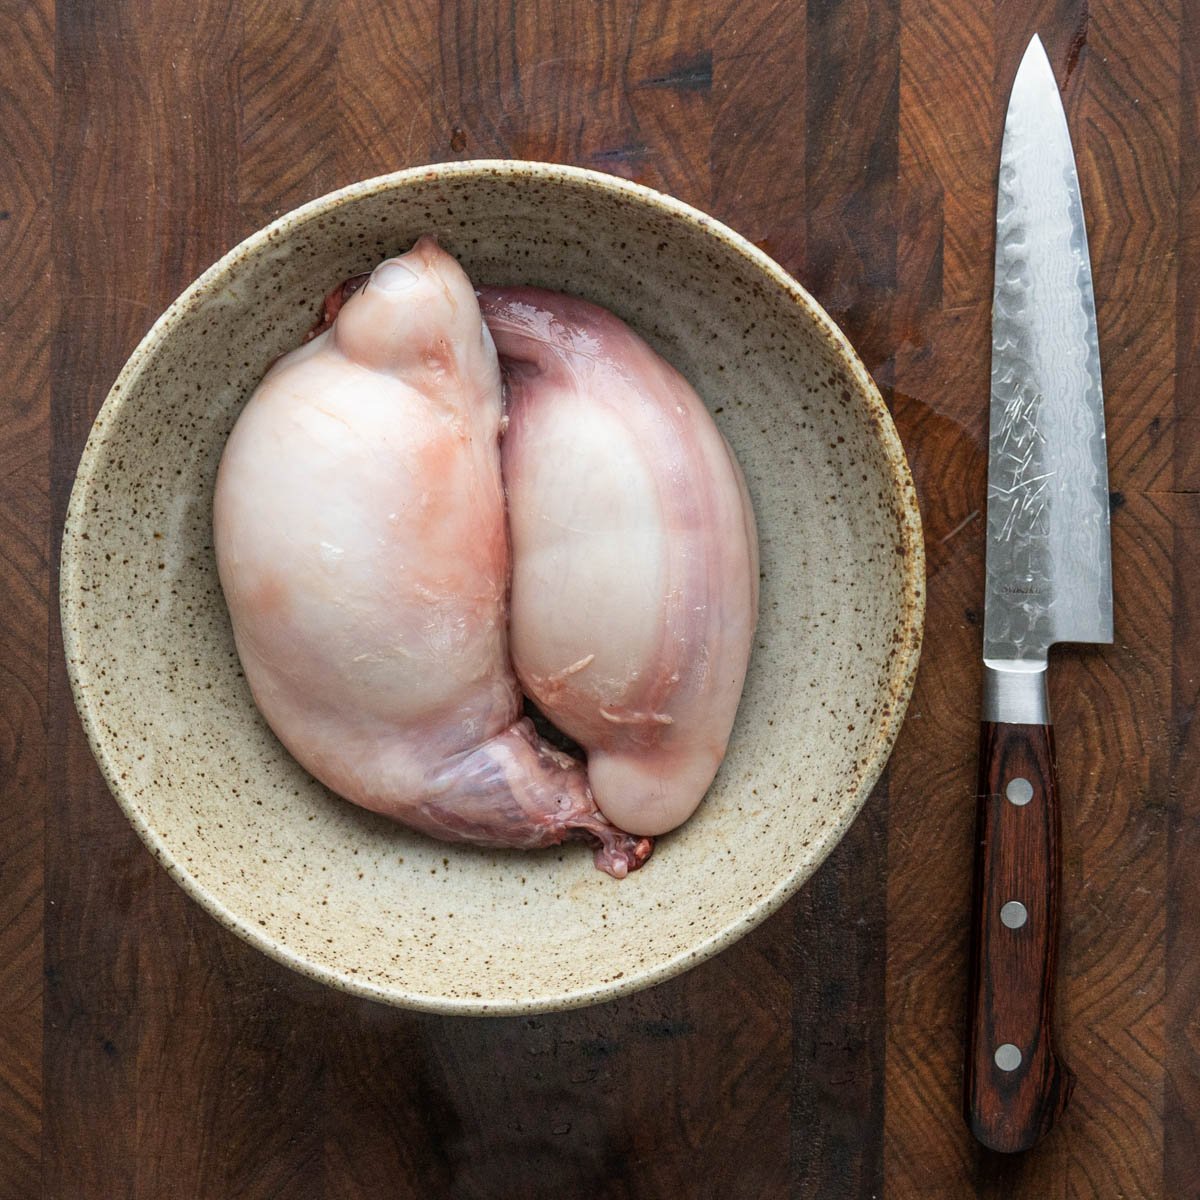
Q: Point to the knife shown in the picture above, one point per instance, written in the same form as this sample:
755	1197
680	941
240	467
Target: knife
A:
1049	580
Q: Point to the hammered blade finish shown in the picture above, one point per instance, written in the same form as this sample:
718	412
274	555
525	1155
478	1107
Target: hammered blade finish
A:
1049	571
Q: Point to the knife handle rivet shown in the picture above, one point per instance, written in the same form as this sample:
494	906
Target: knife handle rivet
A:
1019	791
1008	1057
1014	914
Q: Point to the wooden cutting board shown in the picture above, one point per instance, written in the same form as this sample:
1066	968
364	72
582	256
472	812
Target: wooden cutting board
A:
147	1053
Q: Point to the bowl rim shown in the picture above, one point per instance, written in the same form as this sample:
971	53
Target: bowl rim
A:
900	680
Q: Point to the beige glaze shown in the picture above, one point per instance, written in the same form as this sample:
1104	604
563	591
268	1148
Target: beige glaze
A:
350	898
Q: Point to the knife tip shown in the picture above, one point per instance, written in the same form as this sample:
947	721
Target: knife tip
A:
1035	57
1035	74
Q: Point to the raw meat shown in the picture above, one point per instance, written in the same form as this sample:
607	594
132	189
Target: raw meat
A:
361	543
635	562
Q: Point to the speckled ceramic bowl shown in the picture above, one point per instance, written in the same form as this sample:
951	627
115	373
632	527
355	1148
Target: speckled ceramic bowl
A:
350	898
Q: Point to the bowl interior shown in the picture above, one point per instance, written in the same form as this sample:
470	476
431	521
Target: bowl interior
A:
352	898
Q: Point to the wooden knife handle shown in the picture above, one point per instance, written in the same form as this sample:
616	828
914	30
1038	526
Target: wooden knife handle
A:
1015	1084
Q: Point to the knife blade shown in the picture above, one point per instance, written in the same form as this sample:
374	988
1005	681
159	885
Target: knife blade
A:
1049	580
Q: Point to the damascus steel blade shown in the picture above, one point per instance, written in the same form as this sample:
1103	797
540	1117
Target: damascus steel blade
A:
1049	571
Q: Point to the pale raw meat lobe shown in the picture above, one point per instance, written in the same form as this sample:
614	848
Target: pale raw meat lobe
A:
635	560
361	544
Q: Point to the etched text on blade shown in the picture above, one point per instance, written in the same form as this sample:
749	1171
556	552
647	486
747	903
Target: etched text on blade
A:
1048	547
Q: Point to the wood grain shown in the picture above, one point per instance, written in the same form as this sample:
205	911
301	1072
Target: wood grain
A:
759	61
128	238
1113	944
1181	1101
1181	1097
948	145
285	63
26	300
149	1053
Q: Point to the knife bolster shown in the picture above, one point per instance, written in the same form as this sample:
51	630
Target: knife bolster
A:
1014	693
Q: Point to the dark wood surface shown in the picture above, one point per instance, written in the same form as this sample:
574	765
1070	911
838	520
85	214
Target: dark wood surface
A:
147	1053
1013	971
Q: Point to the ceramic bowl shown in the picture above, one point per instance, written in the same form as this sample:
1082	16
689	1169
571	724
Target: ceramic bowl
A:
352	899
